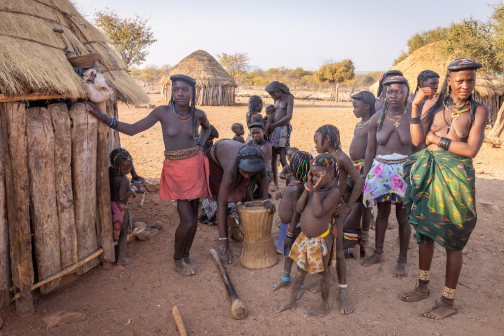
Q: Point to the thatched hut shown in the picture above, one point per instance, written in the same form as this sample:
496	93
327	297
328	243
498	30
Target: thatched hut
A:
489	89
53	154
215	87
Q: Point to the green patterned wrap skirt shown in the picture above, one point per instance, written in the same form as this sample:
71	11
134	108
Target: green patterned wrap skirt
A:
440	197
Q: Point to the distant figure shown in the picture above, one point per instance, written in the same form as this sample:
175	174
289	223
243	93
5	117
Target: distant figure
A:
280	129
380	97
268	120
258	141
426	78
238	131
286	173
254	111
120	190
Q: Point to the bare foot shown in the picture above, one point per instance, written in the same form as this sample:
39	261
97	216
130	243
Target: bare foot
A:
319	312
401	271
227	258
284	306
188	263
301	292
344	302
315	287
374	259
279	285
441	310
124	261
274	188
390	226
420	293
183	268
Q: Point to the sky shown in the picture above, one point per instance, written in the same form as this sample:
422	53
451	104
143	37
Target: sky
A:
291	33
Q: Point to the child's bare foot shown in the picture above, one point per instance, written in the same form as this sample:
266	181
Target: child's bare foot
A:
191	266
344	302
441	310
285	305
390	226
315	287
183	268
301	292
279	285
319	312
274	188
401	271
374	259
420	292
124	261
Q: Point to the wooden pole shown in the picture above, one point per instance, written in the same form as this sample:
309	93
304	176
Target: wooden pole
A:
18	203
498	124
44	213
84	137
5	272
64	191
178	320
106	237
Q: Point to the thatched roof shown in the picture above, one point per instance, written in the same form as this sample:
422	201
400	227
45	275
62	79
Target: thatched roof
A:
430	57
32	59
204	68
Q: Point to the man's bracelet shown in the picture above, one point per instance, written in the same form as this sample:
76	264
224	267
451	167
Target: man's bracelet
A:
415	120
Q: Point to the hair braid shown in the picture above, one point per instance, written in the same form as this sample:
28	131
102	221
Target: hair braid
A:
300	165
425	75
332	132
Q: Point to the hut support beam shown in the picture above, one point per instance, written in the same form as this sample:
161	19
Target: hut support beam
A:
18	203
34	96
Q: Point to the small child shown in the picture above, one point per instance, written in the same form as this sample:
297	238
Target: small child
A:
290	226
238	131
286	173
311	248
268	119
120	191
258	141
254	112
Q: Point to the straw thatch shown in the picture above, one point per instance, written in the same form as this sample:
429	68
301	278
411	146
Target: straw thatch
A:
33	58
214	86
489	89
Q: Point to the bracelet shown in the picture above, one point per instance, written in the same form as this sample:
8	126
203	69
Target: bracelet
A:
306	188
415	120
415	104
116	123
111	121
133	188
266	200
224	239
201	143
104	118
444	143
290	235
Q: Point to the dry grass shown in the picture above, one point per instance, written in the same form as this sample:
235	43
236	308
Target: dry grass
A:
28	66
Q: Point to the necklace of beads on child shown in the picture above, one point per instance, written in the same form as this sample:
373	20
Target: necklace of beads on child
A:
190	112
321	190
295	182
395	118
362	124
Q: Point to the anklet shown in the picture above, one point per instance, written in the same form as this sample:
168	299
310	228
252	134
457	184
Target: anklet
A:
342	286
449	293
177	257
285	278
424	277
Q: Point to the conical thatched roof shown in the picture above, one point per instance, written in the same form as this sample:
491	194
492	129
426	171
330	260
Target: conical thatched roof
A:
430	57
204	68
32	59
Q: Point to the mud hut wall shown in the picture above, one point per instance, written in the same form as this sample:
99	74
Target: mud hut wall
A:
60	160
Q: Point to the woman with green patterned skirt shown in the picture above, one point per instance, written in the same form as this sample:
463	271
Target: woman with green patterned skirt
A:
440	178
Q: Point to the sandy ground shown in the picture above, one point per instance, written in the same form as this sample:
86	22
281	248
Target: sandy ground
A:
137	299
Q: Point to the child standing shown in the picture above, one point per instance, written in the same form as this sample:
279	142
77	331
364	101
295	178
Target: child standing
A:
254	112
311	248
290	226
258	141
286	173
120	191
238	131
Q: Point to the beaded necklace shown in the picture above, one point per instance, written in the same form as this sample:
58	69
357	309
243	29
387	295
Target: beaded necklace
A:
321	190
455	113
295	182
395	118
191	115
362	124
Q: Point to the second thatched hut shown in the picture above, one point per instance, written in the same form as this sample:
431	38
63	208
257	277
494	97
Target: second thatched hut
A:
214	86
489	89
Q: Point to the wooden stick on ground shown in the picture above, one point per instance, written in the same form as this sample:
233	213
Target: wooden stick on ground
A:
178	320
143	198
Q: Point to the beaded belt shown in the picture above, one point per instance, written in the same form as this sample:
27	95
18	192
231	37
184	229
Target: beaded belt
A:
391	161
181	154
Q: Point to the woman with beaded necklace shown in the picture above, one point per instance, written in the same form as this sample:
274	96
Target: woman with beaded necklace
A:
381	95
441	180
185	172
389	145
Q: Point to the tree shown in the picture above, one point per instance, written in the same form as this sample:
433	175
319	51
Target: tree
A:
235	64
336	74
400	58
151	73
129	37
421	39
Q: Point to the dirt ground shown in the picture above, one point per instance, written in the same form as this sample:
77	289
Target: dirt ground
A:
137	299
